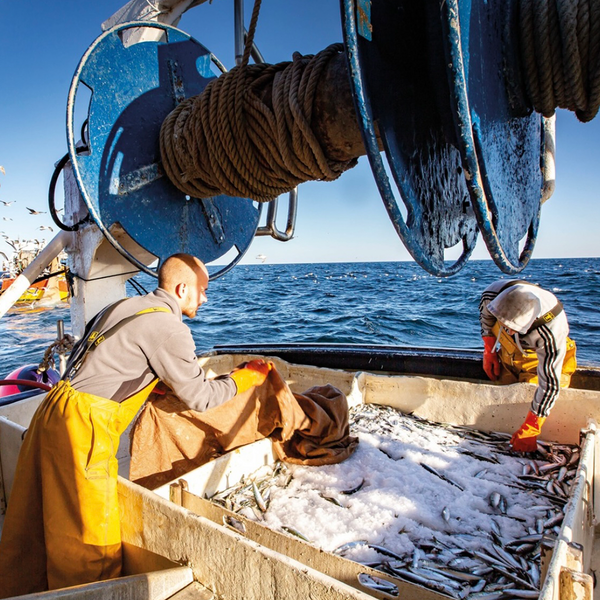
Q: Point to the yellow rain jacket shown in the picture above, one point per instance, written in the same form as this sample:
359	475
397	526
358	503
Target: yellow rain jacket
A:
63	506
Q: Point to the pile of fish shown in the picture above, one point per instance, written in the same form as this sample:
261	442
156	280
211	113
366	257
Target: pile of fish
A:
442	506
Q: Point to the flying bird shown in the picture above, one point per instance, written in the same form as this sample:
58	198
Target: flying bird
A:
42	227
7	203
35	212
7	218
2	170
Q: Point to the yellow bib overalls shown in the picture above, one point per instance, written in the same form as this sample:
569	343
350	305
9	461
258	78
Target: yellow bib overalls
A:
517	366
63	507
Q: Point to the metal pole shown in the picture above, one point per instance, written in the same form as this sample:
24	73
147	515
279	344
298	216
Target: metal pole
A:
238	24
62	359
33	271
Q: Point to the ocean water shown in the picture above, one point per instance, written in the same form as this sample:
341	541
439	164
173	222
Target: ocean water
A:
391	303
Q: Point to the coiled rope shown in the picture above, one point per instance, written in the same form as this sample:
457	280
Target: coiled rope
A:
560	55
60	346
227	140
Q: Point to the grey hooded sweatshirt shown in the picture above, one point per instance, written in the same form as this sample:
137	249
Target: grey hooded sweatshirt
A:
156	344
517	307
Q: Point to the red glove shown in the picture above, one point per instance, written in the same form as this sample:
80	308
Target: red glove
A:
491	362
160	388
250	374
525	439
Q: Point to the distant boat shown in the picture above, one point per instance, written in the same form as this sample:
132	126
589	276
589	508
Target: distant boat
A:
43	288
52	287
261	257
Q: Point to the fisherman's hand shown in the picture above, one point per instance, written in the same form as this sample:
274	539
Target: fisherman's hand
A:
525	439
491	362
250	374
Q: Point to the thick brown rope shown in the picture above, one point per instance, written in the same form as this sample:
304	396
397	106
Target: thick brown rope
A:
560	55
60	346
227	140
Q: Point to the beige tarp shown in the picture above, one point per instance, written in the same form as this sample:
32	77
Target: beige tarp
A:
168	439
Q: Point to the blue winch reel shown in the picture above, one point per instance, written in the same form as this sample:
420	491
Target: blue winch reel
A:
434	79
133	89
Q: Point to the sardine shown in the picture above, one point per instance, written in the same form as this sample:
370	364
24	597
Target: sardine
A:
259	499
495	527
552	521
411	577
478	587
295	532
344	547
384	551
442	477
494	500
354	489
434	575
376	583
517	593
332	500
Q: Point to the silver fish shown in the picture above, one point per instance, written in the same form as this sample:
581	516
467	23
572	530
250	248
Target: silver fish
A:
295	532
332	500
375	583
517	593
494	499
442	477
344	547
259	499
354	489
384	551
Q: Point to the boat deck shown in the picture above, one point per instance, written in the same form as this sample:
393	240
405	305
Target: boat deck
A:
211	548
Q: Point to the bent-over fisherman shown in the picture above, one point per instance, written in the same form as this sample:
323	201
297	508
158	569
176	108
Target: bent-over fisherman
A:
62	524
525	336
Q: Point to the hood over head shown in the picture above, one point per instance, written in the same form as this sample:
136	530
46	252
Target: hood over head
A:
516	308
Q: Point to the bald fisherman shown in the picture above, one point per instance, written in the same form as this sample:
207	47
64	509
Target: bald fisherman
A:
62	525
525	335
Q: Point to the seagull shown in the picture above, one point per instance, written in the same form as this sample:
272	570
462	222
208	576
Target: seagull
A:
7	203
35	212
42	227
2	170
7	218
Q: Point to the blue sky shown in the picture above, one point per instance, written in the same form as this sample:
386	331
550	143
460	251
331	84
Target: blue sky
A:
339	221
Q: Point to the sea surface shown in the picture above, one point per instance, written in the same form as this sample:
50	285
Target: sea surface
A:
390	303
